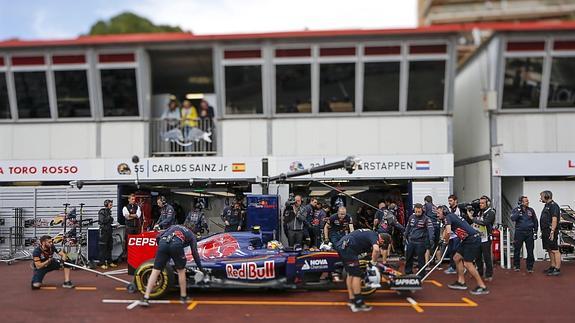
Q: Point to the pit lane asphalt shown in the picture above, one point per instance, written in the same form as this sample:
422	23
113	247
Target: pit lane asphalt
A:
515	297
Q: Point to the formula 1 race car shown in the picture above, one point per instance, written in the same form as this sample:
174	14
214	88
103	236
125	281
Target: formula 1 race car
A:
248	260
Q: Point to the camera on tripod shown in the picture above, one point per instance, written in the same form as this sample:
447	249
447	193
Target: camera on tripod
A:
470	206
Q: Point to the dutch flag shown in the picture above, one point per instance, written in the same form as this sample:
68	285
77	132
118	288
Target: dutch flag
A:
422	165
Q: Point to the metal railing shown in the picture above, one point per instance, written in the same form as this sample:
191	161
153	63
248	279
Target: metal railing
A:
176	138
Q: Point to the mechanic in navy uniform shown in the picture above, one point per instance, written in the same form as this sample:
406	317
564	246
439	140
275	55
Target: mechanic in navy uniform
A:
308	211
197	219
318	221
453	207
418	236
171	244
349	247
385	222
234	217
549	223
430	211
338	226
44	262
105	243
526	226
167	214
466	252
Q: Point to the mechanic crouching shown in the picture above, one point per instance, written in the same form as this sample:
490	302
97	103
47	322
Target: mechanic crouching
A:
44	262
418	233
171	244
349	248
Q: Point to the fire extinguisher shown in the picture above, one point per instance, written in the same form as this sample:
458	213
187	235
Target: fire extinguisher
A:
496	244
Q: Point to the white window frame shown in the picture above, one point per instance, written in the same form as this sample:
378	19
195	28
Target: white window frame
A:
557	54
4	69
49	84
116	66
242	62
427	57
73	67
380	59
355	59
292	61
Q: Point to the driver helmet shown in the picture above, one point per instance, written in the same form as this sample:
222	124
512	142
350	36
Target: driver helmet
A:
274	245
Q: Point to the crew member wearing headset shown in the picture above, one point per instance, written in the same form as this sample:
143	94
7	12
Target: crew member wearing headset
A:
105	244
483	223
167	214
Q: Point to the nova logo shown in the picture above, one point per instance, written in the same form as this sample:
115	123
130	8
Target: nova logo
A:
251	271
315	264
142	242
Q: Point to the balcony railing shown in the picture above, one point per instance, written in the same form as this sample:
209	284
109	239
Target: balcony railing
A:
174	138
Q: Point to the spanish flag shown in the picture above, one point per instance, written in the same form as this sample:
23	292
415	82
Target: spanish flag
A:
238	167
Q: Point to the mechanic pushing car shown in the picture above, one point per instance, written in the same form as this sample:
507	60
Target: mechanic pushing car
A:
467	250
171	244
349	248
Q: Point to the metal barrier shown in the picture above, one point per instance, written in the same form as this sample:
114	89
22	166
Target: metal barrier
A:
173	138
505	248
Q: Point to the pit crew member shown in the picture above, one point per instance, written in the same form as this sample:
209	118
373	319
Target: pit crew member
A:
418	234
167	214
338	226
526	226
171	244
349	247
44	262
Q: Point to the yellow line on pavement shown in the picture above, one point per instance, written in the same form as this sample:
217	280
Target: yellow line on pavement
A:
85	288
415	305
278	303
192	305
48	288
385	291
121	288
434	282
470	302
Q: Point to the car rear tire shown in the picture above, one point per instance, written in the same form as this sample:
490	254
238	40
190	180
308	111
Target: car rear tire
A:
163	285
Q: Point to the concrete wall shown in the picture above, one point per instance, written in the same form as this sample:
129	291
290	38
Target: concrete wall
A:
360	135
472	181
470	119
78	140
536	132
244	138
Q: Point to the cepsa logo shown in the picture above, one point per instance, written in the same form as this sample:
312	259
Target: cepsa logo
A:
251	271
142	242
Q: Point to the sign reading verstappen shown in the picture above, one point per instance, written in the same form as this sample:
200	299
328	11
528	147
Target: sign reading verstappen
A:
392	166
251	271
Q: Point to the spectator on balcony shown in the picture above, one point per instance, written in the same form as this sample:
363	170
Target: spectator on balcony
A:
172	113
206	111
189	115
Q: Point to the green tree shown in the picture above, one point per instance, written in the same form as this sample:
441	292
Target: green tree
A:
129	23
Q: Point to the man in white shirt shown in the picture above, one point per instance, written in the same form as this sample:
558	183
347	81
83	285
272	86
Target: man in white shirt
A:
132	213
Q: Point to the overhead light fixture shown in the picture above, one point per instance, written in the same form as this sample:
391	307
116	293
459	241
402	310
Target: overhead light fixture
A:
319	192
224	194
194	96
195	194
